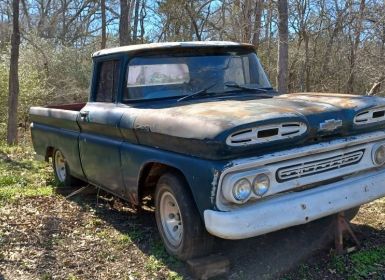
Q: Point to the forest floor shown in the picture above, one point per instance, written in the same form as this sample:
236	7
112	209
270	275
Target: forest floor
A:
44	235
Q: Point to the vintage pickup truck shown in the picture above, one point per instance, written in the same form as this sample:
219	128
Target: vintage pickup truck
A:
198	127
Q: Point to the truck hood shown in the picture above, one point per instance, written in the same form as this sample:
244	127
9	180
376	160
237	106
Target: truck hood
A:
211	121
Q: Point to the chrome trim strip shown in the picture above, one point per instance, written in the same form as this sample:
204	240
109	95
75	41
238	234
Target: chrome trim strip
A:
252	162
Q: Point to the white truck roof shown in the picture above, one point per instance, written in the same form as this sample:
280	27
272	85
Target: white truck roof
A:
139	47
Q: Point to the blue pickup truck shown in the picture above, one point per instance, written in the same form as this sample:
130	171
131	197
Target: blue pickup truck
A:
198	128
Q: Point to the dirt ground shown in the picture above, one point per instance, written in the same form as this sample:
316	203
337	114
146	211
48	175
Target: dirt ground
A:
44	235
52	237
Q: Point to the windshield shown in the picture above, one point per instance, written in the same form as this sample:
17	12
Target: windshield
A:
176	76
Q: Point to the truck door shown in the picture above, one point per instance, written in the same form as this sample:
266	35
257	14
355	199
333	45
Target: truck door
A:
100	138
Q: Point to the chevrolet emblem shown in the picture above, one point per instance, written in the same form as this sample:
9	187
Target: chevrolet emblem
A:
330	125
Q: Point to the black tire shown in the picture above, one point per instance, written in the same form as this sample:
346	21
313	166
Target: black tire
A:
62	173
194	239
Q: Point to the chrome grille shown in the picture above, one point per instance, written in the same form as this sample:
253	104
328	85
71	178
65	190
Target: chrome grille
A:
318	166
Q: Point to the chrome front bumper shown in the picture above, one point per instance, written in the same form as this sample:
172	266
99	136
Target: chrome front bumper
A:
296	208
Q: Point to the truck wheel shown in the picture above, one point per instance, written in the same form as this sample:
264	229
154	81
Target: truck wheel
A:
61	170
178	220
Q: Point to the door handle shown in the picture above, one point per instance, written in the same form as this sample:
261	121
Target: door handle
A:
84	115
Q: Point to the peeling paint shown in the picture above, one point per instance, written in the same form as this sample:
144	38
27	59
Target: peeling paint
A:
207	120
356	102
201	127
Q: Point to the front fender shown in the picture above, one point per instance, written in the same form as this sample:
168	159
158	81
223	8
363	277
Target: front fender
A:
201	175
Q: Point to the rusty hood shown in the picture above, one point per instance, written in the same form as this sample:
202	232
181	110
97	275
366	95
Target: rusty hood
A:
201	127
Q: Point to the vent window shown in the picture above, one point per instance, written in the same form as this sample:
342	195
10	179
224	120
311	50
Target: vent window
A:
370	116
267	133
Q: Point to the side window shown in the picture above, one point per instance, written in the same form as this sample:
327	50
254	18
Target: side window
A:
108	81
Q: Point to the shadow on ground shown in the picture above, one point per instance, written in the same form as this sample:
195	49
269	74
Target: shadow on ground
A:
15	163
263	257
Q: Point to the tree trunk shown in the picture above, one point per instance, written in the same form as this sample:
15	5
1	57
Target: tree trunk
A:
257	23
143	15
246	21
136	21
354	48
104	27
283	52
13	93
376	86
193	18
124	34
268	32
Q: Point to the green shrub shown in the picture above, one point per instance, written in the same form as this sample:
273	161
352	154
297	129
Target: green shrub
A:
48	74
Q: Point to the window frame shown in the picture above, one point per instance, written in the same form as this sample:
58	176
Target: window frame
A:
127	57
98	61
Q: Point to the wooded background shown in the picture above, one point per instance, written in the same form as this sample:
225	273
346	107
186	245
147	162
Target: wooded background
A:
322	45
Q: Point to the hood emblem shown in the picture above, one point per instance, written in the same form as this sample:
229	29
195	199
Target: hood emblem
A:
330	125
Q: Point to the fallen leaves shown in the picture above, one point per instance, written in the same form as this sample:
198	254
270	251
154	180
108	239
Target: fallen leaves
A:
54	237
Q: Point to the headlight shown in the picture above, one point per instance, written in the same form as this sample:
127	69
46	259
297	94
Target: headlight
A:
242	190
378	154
261	184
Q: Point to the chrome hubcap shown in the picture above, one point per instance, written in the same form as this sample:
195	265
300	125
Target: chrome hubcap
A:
60	166
171	219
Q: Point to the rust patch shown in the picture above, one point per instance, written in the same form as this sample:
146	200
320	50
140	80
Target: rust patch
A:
133	198
346	101
207	120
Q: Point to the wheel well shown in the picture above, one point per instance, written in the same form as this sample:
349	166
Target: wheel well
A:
49	153
150	175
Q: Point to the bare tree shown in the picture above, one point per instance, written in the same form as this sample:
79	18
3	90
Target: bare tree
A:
356	24
302	11
334	46
124	35
104	27
283	48
136	21
198	21
376	86
143	15
268	35
13	93
257	23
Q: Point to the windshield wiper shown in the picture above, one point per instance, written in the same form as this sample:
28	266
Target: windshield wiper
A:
197	93
235	85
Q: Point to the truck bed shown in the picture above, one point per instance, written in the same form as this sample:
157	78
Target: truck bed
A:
57	126
71	107
60	116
